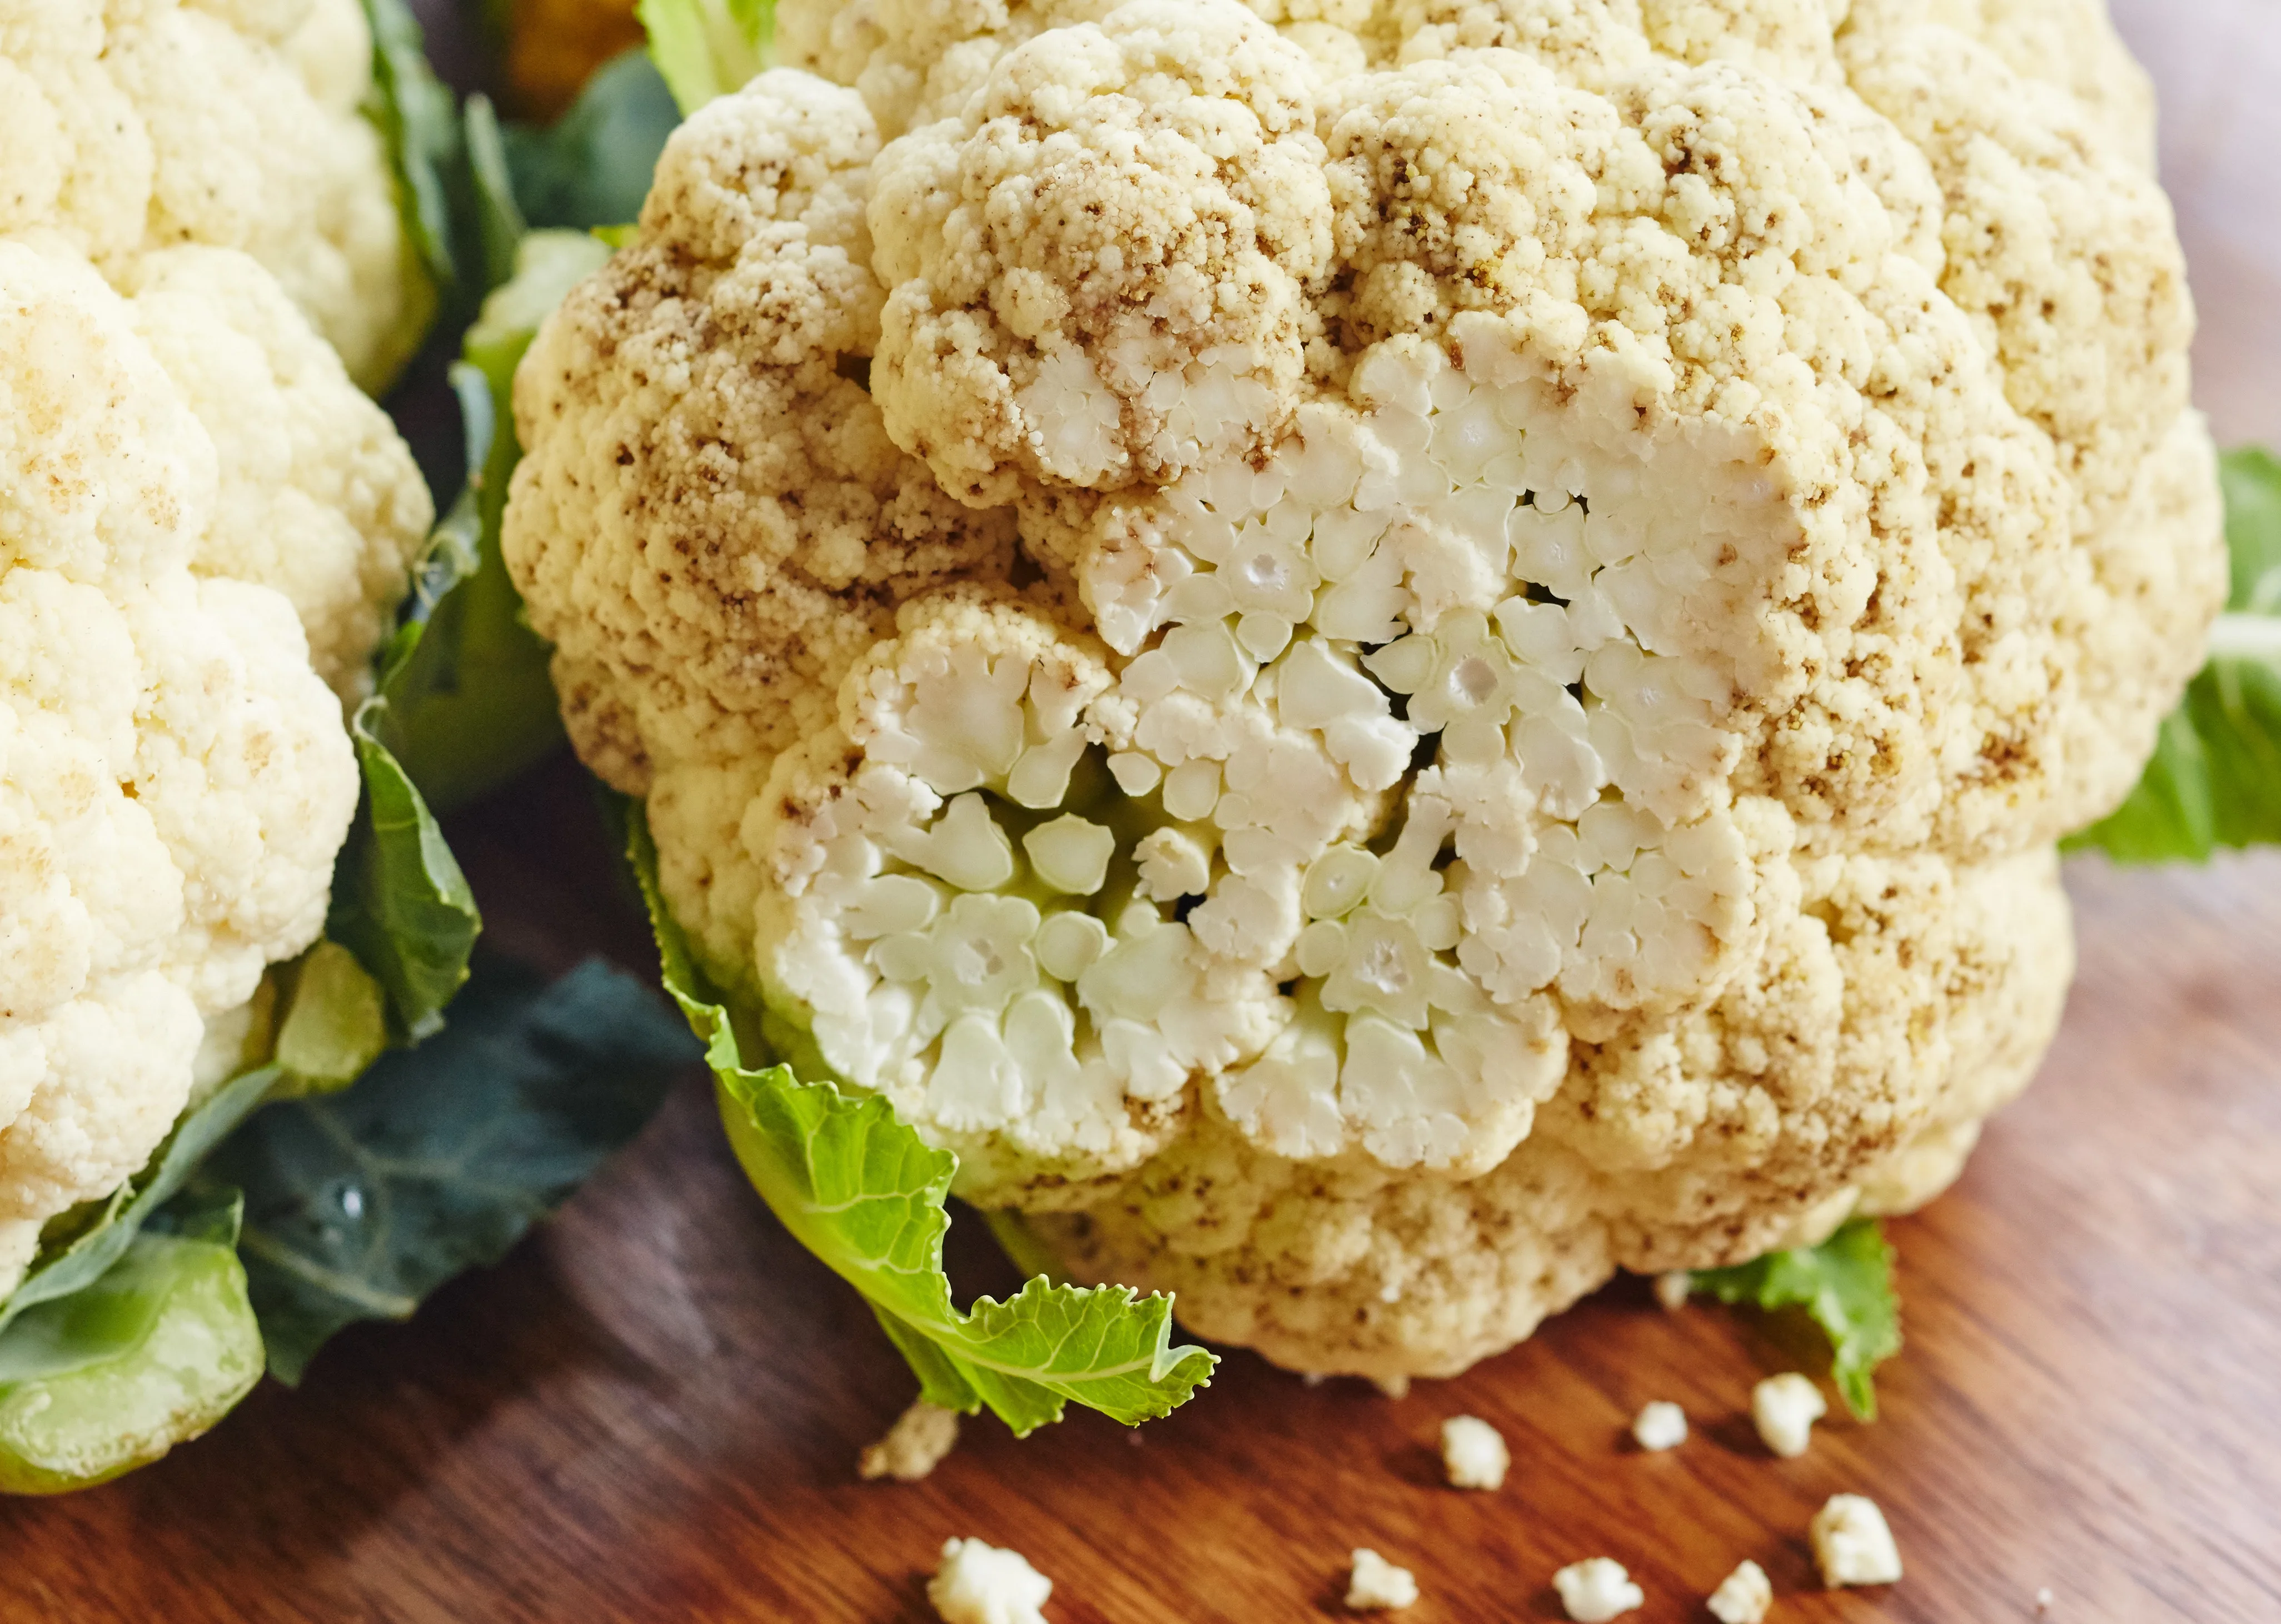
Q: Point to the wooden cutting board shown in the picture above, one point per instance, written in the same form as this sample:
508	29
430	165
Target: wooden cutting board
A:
652	1411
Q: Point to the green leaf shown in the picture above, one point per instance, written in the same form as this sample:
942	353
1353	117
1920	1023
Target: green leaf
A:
499	218
149	1355
707	47
420	130
101	1235
358	1204
1846	1284
2215	781
469	701
399	902
592	165
335	1021
866	1194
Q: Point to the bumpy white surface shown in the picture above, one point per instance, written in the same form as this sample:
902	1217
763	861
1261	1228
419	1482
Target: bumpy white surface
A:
1595	1590
175	778
1853	1543
1784	1409
982	1584
1474	1453
914	1446
231	123
1744	1597
1385	658
1377	1585
1659	1426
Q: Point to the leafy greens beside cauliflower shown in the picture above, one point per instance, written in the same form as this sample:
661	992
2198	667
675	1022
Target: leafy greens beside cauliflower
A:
1380	671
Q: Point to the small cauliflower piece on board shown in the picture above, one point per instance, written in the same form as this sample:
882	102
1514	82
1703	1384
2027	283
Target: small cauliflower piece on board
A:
1383	665
1595	1590
1378	1585
914	1446
1784	1409
1474	1453
1852	1544
201	523
1742	1597
1659	1426
982	1584
137	127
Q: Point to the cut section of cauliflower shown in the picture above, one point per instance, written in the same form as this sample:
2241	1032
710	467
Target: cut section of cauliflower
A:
1597	1590
175	778
130	128
1742	1597
914	1446
1784	1409
1385	660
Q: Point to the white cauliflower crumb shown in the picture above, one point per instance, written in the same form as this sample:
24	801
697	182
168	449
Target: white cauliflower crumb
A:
1660	1426
979	1584
914	1446
1852	1544
1671	1288
1784	1409
1597	1590
1378	1586
1742	1597
1397	1386
1474	1453
2044	1599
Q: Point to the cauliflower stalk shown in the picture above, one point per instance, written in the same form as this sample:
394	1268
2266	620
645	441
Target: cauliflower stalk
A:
1384	658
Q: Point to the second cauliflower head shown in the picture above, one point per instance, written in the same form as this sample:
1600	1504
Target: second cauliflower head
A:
1387	658
230	123
201	523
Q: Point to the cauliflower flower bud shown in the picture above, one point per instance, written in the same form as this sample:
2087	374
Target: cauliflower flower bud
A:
175	775
130	128
1564	598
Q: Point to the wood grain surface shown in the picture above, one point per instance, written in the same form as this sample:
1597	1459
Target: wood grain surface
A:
652	1411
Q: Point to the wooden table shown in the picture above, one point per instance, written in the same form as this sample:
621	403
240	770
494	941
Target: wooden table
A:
652	1411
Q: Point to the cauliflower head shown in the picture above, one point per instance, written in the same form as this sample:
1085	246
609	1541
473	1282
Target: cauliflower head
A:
1388	657
201	521
231	123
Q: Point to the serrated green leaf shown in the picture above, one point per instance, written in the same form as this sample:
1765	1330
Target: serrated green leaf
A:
705	49
2215	781
358	1204
100	1236
861	1190
1846	1284
592	165
399	902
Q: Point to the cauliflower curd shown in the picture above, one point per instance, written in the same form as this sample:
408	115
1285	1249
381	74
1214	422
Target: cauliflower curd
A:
232	123
1388	657
201	522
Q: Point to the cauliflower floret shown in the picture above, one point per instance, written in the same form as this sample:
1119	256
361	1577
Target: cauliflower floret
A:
1377	1585
1784	1409
1596	1590
914	1446
235	125
1474	1453
985	1584
1659	1426
1852	1544
1441	646
1744	1597
176	779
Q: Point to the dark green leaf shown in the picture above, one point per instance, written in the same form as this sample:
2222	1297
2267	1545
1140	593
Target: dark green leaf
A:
102	1235
399	902
358	1204
592	165
866	1194
1846	1284
419	128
